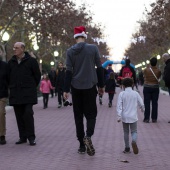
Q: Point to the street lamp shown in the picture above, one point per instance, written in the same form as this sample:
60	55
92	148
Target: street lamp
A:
147	61
52	63
56	53
158	57
143	63
36	47
5	39
169	51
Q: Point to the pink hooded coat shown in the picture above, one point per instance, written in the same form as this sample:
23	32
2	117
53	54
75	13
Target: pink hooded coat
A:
45	86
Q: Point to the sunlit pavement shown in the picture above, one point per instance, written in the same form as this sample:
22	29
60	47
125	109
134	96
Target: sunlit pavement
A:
57	146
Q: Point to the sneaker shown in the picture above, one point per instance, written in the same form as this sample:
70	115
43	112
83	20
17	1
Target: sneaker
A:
89	145
127	150
59	106
2	140
135	147
82	150
110	105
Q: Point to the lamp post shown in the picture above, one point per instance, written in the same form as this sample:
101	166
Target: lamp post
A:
56	54
5	39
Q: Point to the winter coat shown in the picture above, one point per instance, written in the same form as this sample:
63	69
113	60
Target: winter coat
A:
110	86
3	80
23	80
60	79
52	76
166	74
45	86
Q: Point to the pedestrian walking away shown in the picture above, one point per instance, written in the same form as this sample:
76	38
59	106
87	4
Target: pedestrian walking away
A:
82	77
110	88
151	90
45	88
3	100
24	77
127	103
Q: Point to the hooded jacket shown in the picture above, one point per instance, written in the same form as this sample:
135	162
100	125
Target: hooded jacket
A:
80	67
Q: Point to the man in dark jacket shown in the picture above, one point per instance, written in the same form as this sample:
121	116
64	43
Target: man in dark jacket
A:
166	74
60	83
52	76
24	77
81	76
3	100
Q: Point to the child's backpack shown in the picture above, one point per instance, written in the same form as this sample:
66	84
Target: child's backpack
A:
126	72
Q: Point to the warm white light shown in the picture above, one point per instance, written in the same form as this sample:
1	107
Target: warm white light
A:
36	47
56	53
147	61
5	36
143	63
52	63
158	57
40	61
169	51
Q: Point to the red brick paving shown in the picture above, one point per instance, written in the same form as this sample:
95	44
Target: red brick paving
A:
57	146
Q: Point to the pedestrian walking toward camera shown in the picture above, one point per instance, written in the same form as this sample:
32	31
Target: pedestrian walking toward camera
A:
45	88
3	100
127	103
110	88
60	84
166	73
52	77
24	77
82	77
151	90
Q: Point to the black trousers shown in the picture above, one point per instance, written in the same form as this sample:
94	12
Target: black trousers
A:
52	92
60	96
84	104
111	95
45	99
25	121
151	95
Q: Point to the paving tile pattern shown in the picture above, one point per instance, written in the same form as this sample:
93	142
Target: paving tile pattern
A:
57	145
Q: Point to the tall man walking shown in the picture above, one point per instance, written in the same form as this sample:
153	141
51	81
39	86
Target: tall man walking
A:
24	77
81	76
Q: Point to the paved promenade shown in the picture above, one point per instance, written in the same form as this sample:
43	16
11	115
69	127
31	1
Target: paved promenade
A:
57	146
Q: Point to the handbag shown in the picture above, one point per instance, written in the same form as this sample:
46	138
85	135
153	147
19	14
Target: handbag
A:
155	75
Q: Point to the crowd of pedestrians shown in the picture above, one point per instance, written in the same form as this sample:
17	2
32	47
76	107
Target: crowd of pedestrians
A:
21	76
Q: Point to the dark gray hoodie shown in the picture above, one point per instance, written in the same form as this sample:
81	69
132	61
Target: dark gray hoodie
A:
81	61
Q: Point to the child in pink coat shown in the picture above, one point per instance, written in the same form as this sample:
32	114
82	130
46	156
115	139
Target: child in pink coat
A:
45	87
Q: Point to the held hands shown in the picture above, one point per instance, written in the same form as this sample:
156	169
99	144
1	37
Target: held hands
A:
101	90
66	95
119	120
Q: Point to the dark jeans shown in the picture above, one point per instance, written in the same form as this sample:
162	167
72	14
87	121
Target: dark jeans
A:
45	99
52	92
111	95
25	121
84	104
151	95
60	96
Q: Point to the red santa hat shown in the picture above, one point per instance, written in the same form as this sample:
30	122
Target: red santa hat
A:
80	32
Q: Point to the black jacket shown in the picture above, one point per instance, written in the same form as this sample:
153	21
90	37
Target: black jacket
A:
23	80
166	75
60	79
110	85
3	80
52	76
